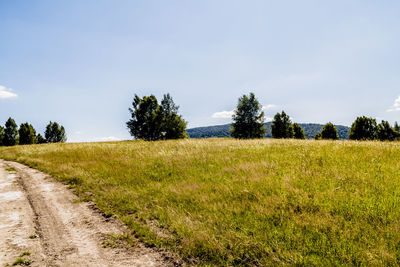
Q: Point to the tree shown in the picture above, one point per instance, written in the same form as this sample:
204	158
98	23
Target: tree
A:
384	132
40	139
145	122
150	121
363	128
55	133
173	126
1	136
298	131
281	126
27	134
10	133
248	118
329	132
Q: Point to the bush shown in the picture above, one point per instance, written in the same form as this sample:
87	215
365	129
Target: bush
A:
363	128
55	133
298	131
329	132
384	132
27	134
281	126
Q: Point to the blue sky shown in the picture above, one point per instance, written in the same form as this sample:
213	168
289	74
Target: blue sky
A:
80	62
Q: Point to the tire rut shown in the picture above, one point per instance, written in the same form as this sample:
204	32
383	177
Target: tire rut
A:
53	235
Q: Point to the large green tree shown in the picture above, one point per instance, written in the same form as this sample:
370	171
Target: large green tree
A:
145	123
27	134
151	121
298	131
55	133
329	131
281	126
10	133
363	128
173	126
248	118
385	132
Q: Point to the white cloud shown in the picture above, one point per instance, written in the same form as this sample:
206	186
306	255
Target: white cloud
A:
396	105
228	114
223	115
268	107
267	119
6	93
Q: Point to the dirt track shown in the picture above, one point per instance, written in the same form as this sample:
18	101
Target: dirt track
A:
41	216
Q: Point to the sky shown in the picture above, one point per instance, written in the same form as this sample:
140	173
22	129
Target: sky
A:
81	62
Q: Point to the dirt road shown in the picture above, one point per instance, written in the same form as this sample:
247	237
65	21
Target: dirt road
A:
42	218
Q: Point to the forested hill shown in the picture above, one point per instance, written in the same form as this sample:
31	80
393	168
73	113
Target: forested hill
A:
310	130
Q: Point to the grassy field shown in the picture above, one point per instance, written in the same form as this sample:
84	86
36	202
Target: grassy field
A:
233	202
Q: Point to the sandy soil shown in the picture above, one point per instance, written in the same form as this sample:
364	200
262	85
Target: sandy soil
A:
41	216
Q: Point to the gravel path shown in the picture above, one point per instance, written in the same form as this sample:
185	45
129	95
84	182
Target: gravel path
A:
41	216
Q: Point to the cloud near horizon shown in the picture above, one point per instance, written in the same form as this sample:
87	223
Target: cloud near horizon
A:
228	114
396	105
6	93
223	114
268	107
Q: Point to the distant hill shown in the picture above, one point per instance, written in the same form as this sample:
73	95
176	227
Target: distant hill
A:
310	130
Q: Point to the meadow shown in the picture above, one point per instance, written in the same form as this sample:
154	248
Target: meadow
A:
241	202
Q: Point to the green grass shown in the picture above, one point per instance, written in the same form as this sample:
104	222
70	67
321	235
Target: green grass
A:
116	240
21	261
234	202
10	169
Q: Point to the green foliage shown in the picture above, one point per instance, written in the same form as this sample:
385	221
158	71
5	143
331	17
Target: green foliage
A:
329	132
385	132
145	122
298	131
40	139
10	133
55	133
363	128
1	136
173	126
281	126
151	122
248	119
318	136
396	129
27	134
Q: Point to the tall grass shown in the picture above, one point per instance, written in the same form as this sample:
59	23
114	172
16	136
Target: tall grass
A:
235	202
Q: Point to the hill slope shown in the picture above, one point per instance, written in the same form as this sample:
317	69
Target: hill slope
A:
310	130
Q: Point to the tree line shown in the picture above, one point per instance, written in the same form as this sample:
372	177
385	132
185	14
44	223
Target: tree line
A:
248	122
10	135
153	121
